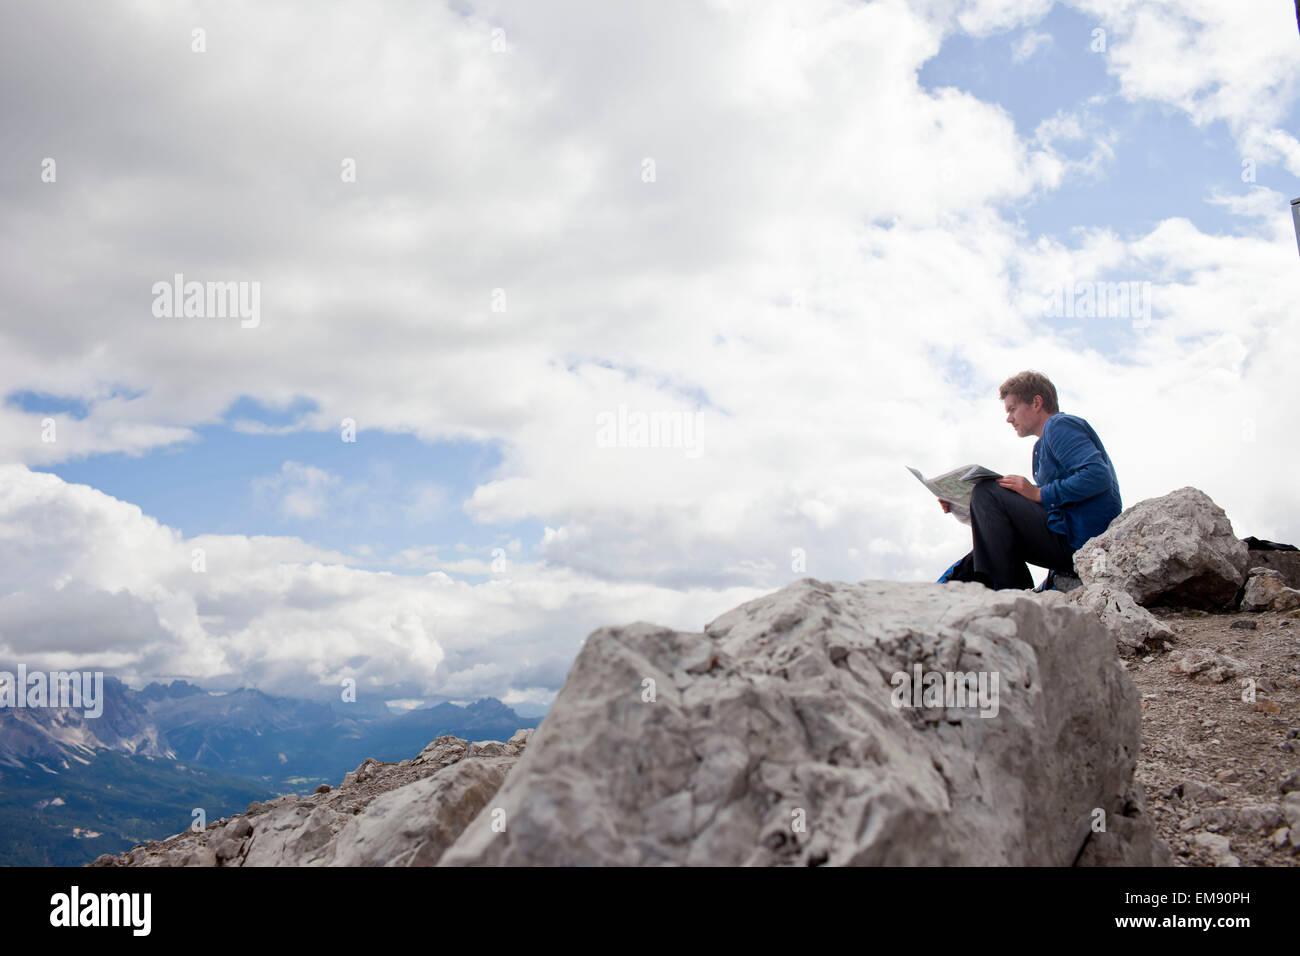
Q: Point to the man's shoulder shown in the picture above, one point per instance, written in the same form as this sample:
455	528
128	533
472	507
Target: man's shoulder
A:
1062	431
1068	422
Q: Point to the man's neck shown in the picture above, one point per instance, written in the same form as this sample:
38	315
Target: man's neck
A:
1038	432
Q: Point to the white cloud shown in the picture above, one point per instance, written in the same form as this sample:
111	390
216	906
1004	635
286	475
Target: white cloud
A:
281	615
664	295
427	501
981	17
1214	61
298	490
823	268
1029	43
1256	203
1083	125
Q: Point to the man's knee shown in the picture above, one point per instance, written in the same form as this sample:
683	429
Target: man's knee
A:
983	492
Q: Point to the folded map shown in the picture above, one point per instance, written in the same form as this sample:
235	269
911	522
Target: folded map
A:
955	487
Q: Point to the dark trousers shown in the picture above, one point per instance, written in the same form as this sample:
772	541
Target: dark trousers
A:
1007	530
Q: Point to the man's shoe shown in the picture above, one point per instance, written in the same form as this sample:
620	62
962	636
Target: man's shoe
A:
1056	581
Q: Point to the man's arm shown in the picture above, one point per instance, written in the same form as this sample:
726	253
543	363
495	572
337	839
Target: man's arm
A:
1085	469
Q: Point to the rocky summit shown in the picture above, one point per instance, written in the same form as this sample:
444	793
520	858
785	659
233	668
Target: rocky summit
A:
828	723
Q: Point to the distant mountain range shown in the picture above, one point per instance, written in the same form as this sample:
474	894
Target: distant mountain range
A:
108	804
177	747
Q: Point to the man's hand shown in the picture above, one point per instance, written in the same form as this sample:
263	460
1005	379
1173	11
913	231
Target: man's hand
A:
1022	486
944	505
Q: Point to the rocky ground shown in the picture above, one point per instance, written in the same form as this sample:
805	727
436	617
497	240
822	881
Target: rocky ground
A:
1217	769
381	814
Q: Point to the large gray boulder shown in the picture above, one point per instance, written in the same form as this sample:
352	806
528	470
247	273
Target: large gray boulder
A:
785	733
1176	550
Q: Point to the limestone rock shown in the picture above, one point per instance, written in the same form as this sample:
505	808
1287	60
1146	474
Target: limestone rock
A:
1196	791
413	825
783	734
1288	600
382	814
1258	816
1218	847
1266	590
1291	809
1176	550
1205	666
1287	563
1128	838
1136	630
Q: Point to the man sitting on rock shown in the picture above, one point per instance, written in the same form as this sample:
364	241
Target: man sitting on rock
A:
1076	496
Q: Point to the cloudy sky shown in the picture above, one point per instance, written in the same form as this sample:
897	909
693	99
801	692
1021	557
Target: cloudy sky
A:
479	244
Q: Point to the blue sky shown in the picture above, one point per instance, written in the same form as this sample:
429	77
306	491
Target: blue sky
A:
816	235
217	484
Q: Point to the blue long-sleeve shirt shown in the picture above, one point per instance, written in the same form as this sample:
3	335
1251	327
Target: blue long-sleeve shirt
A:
1076	479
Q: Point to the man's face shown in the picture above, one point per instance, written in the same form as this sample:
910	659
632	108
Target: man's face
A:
1024	418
